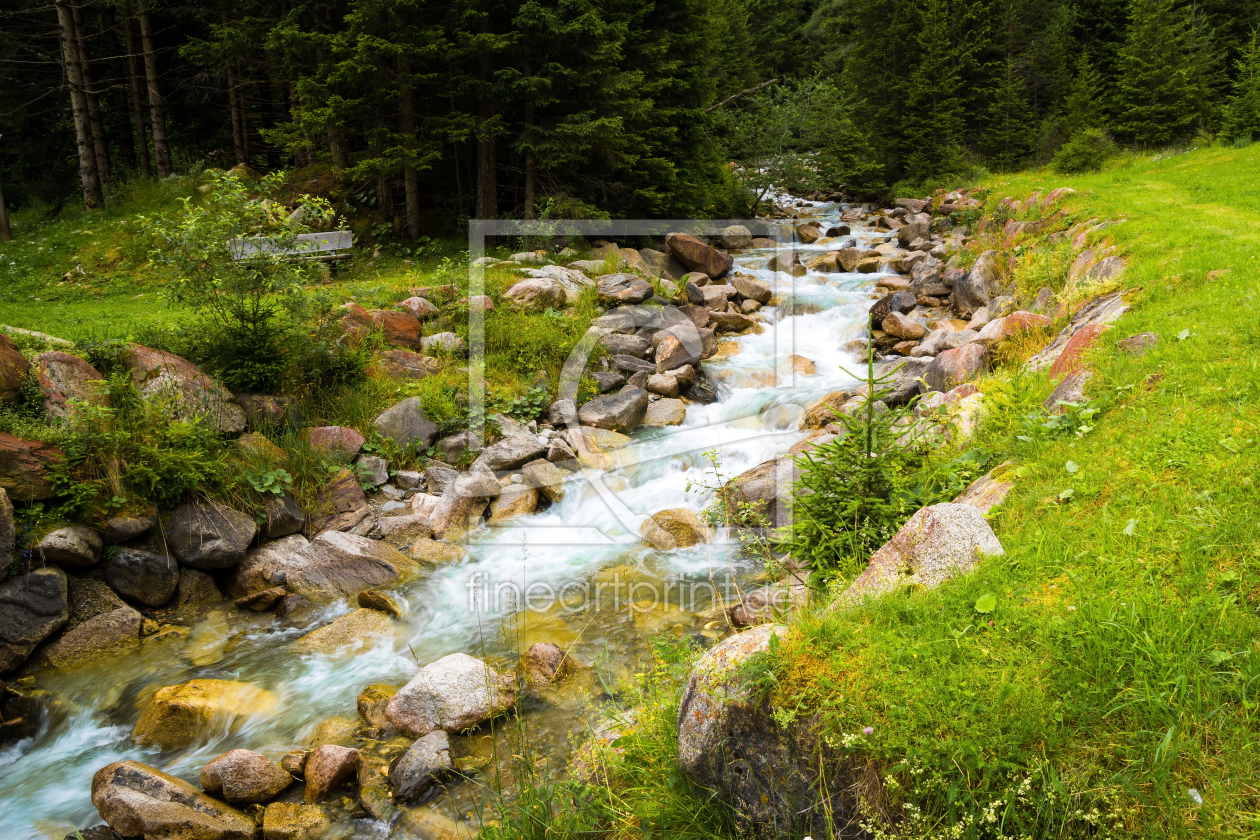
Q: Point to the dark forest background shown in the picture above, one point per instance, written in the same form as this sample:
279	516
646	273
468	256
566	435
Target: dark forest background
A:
437	112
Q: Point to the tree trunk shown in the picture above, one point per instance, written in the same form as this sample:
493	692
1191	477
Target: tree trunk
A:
137	98
529	155
100	143
88	176
161	150
335	148
238	122
407	124
6	235
125	142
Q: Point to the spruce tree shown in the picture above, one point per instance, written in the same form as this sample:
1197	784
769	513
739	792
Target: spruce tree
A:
1011	120
1084	106
1157	89
1241	115
933	123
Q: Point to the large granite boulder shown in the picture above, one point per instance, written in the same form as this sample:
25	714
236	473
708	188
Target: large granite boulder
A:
141	801
937	543
143	577
621	412
266	566
424	762
509	454
24	468
777	779
536	295
183	389
615	289
338	565
340	506
64	380
462	504
72	547
453	694
179	715
696	255
406	424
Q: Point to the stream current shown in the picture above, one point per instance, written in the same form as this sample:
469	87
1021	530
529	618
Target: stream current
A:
577	575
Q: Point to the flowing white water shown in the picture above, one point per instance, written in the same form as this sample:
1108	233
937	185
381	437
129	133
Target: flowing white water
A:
592	585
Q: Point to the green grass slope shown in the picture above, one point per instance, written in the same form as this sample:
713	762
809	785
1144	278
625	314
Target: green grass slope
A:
1113	689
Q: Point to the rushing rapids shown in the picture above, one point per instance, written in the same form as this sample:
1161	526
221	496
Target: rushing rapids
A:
577	575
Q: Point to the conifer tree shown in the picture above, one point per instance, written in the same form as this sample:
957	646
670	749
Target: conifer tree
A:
1084	106
933	121
1157	85
1011	121
1241	115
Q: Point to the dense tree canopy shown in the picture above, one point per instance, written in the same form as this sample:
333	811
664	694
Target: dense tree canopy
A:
434	113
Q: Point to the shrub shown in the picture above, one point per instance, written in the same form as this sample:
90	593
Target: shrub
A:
857	490
228	258
1087	151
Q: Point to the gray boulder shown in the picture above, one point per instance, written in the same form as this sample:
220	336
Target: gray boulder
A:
284	517
768	773
338	565
462	504
406	423
142	576
32	607
752	289
978	285
623	288
903	302
439	477
937	543
617	412
452	694
420	766
71	547
914	226
625	345
209	535
509	454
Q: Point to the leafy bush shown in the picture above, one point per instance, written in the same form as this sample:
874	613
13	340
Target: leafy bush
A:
1087	151
228	257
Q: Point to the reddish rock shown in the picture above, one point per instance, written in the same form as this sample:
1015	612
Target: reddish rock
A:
357	322
338	441
480	303
13	368
697	256
400	329
1071	359
189	392
63	379
327	768
24	468
954	367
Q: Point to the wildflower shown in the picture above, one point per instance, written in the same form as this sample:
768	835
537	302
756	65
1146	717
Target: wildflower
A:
869	730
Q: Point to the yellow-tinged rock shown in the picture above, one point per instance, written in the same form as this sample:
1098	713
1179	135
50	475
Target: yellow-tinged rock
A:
654	616
527	628
435	551
294	821
674	528
177	715
355	631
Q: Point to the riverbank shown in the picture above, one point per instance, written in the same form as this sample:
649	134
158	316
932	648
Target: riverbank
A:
1099	678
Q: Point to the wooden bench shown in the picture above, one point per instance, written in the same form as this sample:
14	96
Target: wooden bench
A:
321	247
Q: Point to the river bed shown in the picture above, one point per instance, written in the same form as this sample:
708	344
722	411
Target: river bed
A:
579	569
